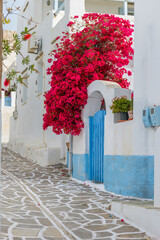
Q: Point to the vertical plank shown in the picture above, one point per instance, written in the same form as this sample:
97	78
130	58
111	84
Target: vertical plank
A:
96	146
91	147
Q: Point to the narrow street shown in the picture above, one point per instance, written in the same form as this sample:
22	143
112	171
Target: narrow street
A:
44	203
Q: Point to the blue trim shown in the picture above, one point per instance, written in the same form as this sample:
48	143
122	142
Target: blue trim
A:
81	166
129	175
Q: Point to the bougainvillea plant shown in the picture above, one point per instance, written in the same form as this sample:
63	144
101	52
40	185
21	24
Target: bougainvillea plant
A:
97	48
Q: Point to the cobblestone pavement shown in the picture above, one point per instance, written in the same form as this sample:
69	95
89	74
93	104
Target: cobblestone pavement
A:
44	203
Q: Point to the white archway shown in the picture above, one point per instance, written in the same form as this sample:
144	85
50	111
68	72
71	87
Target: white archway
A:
97	91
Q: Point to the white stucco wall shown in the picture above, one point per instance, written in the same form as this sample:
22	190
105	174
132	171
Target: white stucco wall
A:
26	133
146	84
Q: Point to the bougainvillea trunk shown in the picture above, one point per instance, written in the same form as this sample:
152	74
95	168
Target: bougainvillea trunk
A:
98	48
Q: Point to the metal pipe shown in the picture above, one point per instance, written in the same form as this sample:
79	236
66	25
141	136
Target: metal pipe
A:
70	154
125	7
55	5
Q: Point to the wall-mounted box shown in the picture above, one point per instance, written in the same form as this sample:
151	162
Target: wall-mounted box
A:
146	117
34	44
155	115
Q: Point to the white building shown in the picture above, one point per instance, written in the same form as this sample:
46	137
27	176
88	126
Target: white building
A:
27	135
8	102
131	151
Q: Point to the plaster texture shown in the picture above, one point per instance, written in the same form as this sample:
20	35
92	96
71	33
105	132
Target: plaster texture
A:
129	175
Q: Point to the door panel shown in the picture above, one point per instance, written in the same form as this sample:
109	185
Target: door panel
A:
96	146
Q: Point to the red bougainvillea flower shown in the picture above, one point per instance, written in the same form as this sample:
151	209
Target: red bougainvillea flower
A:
49	60
6	82
27	36
129	73
99	50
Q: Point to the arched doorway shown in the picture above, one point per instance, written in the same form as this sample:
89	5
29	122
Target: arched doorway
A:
94	117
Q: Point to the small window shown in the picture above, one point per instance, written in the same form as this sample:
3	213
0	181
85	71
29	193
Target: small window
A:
57	4
130	11
121	11
152	110
40	74
144	112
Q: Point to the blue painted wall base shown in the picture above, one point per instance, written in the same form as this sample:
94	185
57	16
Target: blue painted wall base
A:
81	166
125	175
129	175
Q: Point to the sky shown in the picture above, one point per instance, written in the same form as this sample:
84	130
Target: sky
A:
12	26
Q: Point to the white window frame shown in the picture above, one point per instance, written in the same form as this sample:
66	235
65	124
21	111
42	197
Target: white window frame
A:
58	7
39	78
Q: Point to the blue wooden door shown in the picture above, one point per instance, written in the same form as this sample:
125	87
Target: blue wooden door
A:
96	146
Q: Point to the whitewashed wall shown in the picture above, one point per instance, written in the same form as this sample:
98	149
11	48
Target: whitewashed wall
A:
146	84
26	133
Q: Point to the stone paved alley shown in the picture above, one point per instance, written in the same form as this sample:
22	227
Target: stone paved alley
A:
44	203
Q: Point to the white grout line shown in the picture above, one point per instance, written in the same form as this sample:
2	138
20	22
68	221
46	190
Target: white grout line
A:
10	231
51	217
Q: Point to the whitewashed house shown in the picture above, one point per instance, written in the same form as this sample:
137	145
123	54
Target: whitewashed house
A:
27	135
8	102
131	149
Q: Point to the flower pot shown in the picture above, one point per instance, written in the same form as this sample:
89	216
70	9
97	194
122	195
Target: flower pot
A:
123	116
130	114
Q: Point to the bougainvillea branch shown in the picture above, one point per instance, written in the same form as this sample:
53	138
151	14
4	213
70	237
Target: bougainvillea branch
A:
98	47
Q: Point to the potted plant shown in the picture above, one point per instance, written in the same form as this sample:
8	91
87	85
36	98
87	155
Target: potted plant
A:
121	105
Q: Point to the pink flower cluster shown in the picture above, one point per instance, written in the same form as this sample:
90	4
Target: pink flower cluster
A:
99	51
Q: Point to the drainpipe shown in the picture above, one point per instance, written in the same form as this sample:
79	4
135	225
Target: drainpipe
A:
125	7
70	154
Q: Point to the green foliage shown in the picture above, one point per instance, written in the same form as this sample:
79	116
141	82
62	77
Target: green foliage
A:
11	74
26	60
6	47
15	46
121	104
31	68
17	43
131	107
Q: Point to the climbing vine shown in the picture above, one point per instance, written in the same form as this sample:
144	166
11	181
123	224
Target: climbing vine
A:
97	48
